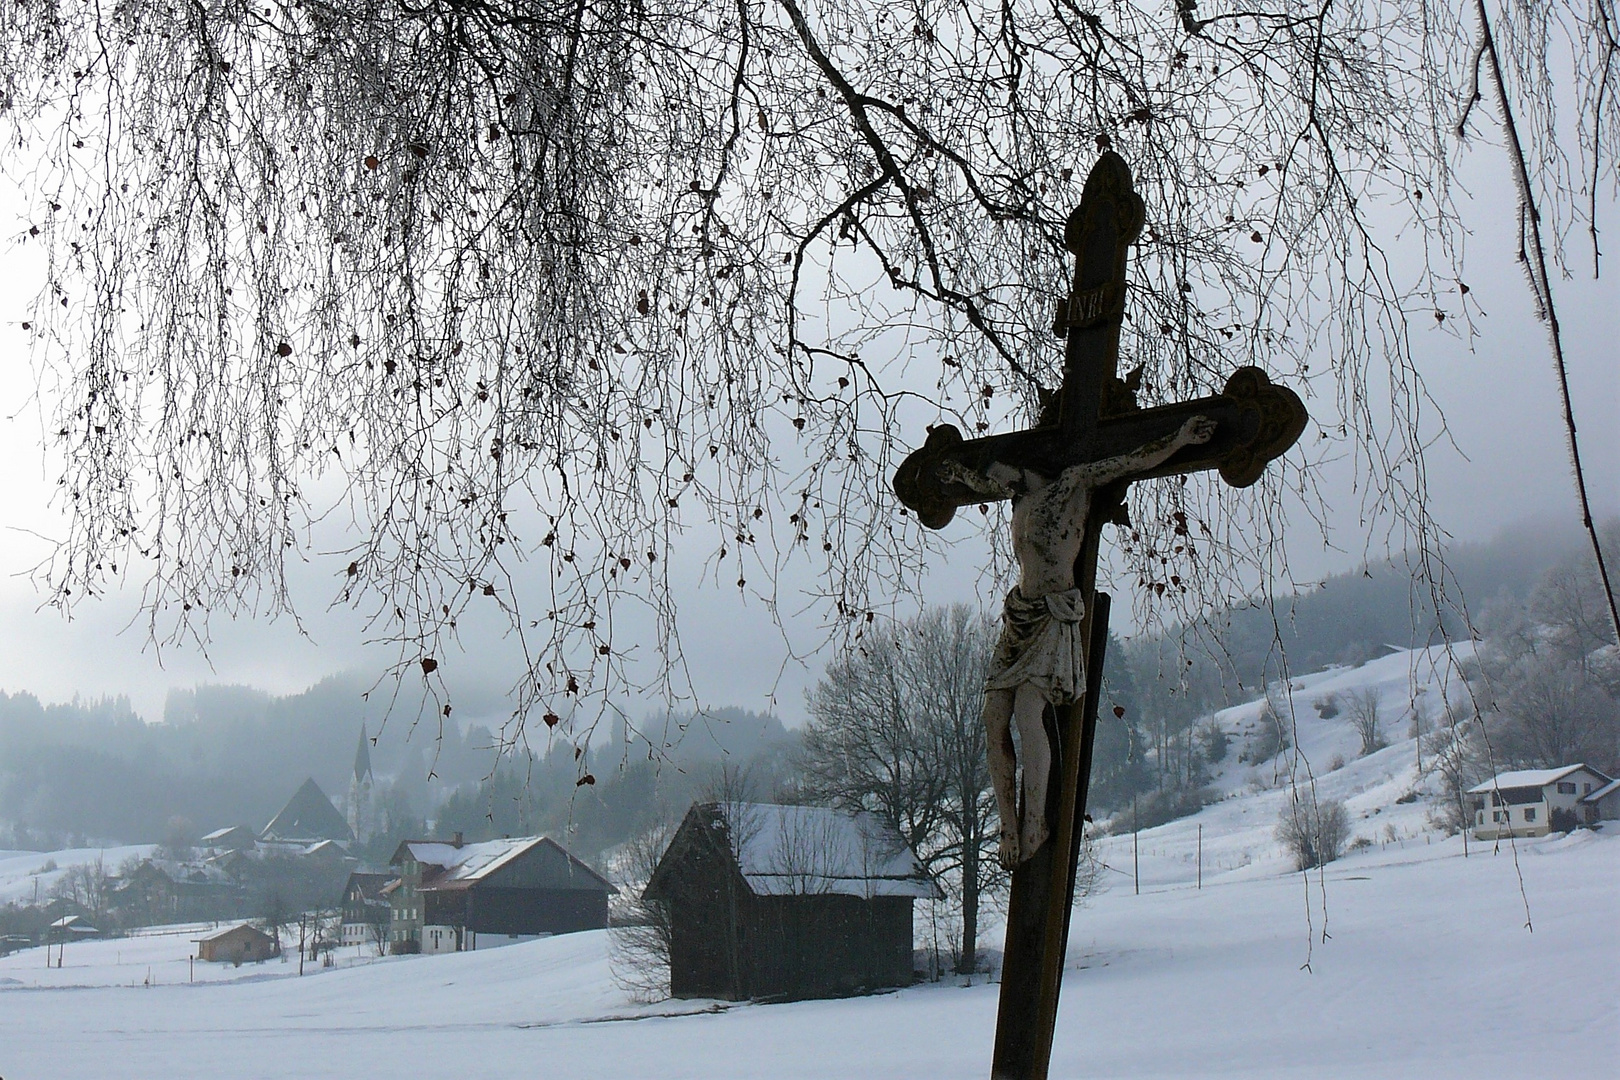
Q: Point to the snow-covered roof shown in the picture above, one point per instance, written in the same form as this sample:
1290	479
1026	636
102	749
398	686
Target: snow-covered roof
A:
799	850
465	864
469	862
1603	792
239	930
1529	778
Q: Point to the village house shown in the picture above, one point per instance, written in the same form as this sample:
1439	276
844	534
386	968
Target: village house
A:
1535	802
456	897
787	901
238	945
365	909
230	838
166	890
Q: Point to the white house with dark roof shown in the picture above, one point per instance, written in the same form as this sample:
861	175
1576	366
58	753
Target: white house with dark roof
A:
1525	802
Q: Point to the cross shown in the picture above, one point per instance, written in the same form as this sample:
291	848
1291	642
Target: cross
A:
1091	442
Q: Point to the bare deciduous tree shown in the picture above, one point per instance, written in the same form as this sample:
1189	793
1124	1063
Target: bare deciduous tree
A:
522	281
895	728
1362	712
639	937
1313	832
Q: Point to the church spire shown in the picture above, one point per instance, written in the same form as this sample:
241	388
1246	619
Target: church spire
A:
362	759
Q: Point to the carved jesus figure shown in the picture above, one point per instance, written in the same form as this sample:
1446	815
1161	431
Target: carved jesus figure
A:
1039	659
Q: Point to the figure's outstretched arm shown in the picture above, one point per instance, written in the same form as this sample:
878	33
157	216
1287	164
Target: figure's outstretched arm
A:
1197	430
997	482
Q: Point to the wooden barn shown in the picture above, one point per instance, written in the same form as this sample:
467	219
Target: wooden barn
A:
771	901
456	897
238	945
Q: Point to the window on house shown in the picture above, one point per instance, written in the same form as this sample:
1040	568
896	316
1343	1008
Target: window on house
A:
1482	817
1566	788
1586	789
1496	815
1529	813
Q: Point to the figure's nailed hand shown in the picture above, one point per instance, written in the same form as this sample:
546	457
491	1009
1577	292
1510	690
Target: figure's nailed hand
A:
1197	431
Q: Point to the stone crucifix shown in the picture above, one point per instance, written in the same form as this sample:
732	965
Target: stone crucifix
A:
1066	477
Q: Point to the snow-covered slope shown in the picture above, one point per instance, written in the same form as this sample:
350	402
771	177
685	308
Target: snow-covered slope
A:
1428	972
1238	831
28	877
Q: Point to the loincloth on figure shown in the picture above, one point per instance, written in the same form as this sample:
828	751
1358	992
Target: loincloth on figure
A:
1040	644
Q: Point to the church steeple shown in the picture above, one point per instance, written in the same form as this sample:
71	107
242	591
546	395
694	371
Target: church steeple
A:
361	818
363	758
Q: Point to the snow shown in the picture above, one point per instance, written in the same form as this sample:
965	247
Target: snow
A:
24	879
1405	959
1428	971
791	850
1521	778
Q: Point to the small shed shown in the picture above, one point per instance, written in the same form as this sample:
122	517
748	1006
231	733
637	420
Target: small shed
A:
238	945
71	928
768	901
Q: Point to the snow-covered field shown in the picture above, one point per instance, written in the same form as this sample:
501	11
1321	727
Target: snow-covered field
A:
1428	969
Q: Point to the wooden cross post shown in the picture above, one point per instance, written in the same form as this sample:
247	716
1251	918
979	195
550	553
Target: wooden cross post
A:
1093	417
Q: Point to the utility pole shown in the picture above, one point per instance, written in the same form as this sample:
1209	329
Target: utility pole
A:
1136	849
1200	855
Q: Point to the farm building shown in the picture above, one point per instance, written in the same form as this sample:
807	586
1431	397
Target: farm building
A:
1535	802
71	928
230	838
787	901
456	897
238	945
166	890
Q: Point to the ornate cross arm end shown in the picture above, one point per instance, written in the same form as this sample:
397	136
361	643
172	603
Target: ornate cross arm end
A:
1272	418
919	484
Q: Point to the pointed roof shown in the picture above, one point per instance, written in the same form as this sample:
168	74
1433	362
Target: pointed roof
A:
1523	778
804	850
308	816
537	862
362	758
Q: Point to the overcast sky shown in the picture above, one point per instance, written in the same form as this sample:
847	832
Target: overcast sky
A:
1508	465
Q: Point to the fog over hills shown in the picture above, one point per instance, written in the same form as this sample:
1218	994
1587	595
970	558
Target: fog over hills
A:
95	771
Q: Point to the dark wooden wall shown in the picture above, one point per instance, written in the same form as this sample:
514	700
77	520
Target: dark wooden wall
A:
535	911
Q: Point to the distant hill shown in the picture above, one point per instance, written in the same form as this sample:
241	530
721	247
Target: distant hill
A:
1353	617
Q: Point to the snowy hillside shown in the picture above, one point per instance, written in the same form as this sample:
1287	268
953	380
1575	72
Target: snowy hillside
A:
1404	959
29	877
1238	830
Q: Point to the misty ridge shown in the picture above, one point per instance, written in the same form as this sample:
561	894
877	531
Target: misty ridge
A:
89	773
